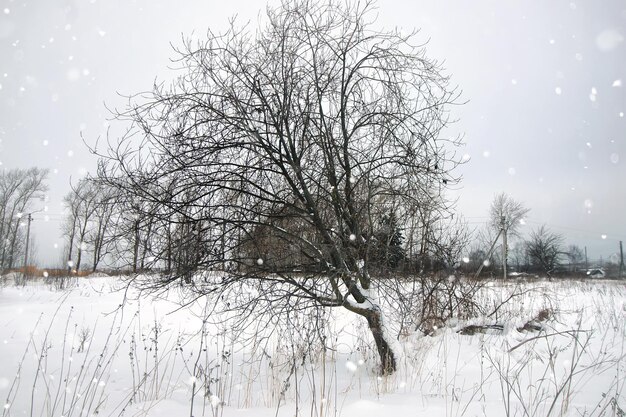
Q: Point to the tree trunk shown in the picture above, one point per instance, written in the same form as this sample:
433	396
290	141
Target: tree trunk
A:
12	253
385	352
374	319
136	247
69	254
79	257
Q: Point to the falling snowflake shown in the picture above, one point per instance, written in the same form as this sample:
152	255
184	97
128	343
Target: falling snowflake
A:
614	158
259	261
558	91
609	39
351	366
353	237
511	171
215	400
73	74
7	10
466	259
603	237
617	83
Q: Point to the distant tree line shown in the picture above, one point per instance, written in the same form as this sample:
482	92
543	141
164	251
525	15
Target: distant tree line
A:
107	229
104	228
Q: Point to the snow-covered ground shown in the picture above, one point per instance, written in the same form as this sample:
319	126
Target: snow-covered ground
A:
92	350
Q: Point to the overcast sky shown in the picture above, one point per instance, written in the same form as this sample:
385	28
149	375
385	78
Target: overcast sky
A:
544	79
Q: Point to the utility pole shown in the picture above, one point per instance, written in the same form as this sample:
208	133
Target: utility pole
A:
493	245
586	261
30	218
504	248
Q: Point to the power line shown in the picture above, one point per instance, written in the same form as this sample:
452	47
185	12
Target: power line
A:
601	234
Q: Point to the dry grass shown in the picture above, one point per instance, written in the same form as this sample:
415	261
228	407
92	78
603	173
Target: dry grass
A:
33	271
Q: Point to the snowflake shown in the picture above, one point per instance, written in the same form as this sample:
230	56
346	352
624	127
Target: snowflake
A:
609	39
614	158
215	400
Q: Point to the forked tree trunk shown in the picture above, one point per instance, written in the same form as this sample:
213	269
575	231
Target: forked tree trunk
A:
385	352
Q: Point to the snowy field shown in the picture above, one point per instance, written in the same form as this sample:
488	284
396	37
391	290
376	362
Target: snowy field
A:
98	350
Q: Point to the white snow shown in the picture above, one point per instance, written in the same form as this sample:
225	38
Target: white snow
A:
146	357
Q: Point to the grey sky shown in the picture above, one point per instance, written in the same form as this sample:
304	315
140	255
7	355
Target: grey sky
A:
545	120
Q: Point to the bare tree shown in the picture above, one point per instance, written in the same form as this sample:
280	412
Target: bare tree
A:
306	130
82	203
507	213
575	255
544	249
18	189
505	218
98	236
519	256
